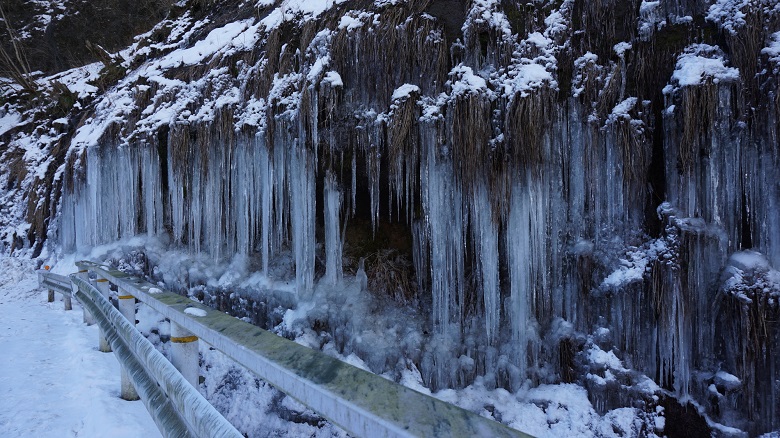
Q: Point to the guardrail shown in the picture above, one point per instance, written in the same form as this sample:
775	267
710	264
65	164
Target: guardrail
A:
56	283
176	406
362	403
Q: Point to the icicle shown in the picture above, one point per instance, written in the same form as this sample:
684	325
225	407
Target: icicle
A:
67	227
122	174
332	204
360	276
280	163
421	253
196	207
239	192
354	179
266	189
372	169
519	252
213	194
83	217
526	249
93	221
485	235
444	219
175	198
303	216
152	191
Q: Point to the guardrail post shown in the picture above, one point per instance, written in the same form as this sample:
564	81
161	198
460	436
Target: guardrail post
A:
50	297
184	353
88	319
66	298
127	308
104	287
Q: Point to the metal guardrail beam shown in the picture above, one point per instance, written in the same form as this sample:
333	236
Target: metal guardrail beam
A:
157	404
56	283
177	407
361	402
60	283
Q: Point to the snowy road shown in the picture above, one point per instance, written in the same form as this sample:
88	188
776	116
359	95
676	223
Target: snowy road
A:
53	380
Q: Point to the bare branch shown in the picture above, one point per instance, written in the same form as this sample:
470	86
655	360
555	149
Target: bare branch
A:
16	64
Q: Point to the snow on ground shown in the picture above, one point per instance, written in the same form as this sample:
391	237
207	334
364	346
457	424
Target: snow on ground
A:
53	380
552	411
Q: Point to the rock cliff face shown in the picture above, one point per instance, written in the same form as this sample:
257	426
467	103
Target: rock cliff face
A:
563	191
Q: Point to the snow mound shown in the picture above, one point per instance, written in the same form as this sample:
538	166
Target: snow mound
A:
195	311
701	62
749	276
773	50
728	14
404	91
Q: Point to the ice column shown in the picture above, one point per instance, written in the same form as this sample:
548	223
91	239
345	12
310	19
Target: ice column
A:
526	248
67	229
152	191
266	186
442	204
486	243
332	204
176	201
122	191
241	192
303	217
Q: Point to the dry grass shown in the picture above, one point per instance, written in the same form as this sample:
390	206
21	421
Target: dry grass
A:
469	119
636	150
390	274
402	50
403	151
699	106
527	120
745	48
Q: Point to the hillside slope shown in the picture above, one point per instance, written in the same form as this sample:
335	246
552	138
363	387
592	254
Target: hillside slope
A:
552	192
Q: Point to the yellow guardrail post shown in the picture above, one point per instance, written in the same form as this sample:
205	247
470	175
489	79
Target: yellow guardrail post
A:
184	353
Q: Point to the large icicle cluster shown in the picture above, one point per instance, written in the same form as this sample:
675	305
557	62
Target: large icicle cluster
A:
589	189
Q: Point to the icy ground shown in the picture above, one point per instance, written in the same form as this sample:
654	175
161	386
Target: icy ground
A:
53	380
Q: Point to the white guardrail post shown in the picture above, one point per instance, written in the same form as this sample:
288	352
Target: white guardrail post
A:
105	289
127	309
